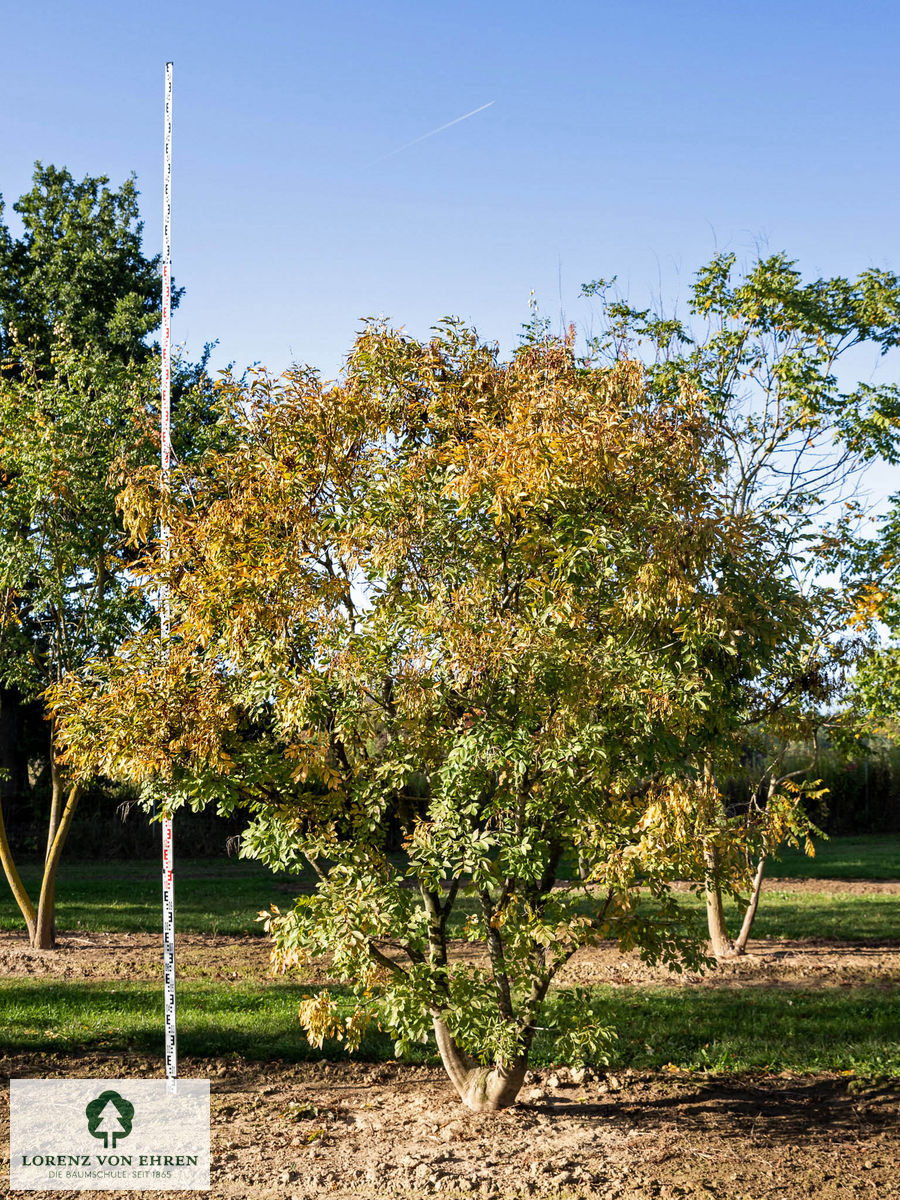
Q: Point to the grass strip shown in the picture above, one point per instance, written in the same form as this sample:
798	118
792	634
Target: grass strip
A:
873	856
224	896
821	916
696	1029
214	896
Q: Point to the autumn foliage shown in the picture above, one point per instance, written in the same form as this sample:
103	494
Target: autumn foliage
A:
495	607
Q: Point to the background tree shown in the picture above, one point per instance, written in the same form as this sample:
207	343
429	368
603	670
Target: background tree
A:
65	593
764	350
75	276
489	601
875	704
78	299
78	269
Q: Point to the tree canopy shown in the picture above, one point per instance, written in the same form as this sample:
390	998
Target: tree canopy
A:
78	270
498	605
65	594
776	360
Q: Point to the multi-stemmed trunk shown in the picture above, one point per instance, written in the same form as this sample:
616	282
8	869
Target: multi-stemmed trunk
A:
483	1089
723	945
487	1088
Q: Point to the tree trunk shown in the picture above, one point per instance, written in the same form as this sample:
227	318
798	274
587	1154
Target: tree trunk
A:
722	945
56	796
740	943
57	807
482	1089
44	937
15	882
41	922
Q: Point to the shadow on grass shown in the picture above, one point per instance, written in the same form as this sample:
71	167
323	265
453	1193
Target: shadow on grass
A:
696	1029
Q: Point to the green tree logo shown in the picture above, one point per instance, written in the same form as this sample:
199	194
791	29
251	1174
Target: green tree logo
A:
109	1116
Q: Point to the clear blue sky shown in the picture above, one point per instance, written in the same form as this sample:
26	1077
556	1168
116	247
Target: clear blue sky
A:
624	138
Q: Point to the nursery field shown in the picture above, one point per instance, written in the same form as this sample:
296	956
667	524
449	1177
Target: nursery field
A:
776	1074
517	646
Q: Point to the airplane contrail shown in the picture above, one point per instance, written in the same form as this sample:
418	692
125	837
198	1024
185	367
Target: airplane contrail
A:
440	129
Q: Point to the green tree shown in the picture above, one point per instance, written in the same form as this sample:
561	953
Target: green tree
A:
78	269
765	350
875	703
65	594
74	276
488	601
78	300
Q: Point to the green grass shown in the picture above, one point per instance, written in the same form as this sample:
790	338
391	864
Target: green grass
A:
870	857
224	895
758	1029
820	916
843	1029
213	895
774	1029
814	915
214	1020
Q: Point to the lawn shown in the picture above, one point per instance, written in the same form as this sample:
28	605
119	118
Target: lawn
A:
225	895
212	895
691	1028
870	857
830	916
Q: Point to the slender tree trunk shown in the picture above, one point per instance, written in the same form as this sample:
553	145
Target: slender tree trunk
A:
19	891
56	812
45	930
722	945
56	798
40	922
482	1089
57	807
740	942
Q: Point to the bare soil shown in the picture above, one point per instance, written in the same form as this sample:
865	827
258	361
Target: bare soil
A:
298	1132
849	887
389	1131
770	963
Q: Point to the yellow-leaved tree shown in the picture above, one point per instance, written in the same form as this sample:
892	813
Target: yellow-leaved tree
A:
494	605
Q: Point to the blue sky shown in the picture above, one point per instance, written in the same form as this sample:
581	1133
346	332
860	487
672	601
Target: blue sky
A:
623	138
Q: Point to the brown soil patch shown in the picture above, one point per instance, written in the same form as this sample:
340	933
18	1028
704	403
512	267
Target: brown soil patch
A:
137	956
294	1132
770	963
850	887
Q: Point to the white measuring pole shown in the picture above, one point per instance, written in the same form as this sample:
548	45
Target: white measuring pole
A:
166	456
